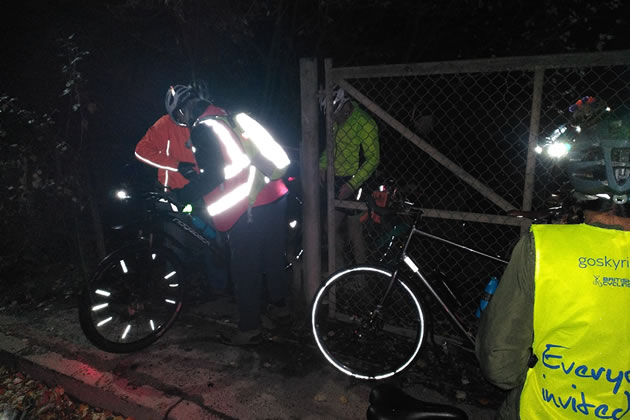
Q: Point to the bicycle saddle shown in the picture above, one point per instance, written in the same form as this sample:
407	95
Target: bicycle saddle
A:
390	403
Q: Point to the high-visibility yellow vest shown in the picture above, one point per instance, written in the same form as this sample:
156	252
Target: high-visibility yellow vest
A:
581	325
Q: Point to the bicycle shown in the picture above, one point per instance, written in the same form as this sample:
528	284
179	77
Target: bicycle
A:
369	322
137	291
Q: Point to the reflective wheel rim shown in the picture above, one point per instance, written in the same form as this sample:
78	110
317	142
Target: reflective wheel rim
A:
363	324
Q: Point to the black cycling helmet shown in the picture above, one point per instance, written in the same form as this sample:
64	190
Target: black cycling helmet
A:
598	151
176	97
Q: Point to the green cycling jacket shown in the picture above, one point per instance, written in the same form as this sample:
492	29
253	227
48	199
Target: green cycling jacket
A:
358	133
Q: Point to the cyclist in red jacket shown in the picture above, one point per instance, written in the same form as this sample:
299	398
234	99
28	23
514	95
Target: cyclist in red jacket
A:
167	147
164	147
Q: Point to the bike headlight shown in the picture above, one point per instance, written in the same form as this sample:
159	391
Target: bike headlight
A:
558	150
122	195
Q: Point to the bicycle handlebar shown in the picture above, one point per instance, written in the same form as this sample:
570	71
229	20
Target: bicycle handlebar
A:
557	213
163	197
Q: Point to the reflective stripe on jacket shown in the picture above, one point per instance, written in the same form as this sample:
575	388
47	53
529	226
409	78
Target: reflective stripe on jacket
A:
164	146
581	326
244	185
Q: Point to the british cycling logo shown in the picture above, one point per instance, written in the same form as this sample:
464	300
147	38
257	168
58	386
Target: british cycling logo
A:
611	281
607	263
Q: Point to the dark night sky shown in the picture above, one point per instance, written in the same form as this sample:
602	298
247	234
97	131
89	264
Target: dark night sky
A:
136	53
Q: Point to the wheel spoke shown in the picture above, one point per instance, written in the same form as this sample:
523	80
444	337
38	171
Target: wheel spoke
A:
104	321
136	293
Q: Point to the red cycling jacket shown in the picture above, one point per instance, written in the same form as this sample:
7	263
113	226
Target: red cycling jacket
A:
164	147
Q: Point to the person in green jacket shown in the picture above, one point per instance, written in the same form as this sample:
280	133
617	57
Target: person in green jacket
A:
356	157
556	334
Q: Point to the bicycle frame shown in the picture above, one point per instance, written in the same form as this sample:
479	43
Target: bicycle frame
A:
406	260
157	220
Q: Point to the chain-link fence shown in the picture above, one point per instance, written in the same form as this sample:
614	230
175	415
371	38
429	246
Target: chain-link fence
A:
457	140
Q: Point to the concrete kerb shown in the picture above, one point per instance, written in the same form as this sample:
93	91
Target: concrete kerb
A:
100	389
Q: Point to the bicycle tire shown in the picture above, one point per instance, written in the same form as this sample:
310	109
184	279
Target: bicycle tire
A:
133	298
355	337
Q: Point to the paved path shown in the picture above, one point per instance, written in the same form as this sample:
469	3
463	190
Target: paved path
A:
188	373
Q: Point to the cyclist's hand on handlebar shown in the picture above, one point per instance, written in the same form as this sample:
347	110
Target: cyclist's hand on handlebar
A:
193	191
187	169
182	196
167	193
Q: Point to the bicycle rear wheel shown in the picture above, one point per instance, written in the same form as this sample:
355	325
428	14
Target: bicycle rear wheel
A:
359	338
133	298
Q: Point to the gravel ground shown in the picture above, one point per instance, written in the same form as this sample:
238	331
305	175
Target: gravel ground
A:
23	398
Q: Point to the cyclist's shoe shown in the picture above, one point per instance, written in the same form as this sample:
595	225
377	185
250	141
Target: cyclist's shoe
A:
243	338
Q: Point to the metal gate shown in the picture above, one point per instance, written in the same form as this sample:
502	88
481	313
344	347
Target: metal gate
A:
457	139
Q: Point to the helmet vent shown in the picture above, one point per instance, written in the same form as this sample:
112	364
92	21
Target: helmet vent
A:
621	164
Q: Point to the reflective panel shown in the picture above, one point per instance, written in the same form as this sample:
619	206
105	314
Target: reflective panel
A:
233	197
411	264
105	321
263	140
126	331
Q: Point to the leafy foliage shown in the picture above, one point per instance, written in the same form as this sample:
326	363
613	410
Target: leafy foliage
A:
248	50
44	189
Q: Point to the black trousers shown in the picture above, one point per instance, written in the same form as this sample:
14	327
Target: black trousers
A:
257	245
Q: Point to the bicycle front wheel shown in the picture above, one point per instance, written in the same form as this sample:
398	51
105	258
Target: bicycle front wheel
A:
359	337
133	298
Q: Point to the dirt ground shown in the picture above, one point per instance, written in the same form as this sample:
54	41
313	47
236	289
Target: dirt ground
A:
452	372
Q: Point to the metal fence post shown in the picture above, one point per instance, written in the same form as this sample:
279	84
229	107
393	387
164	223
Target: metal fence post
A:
534	128
309	169
330	173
